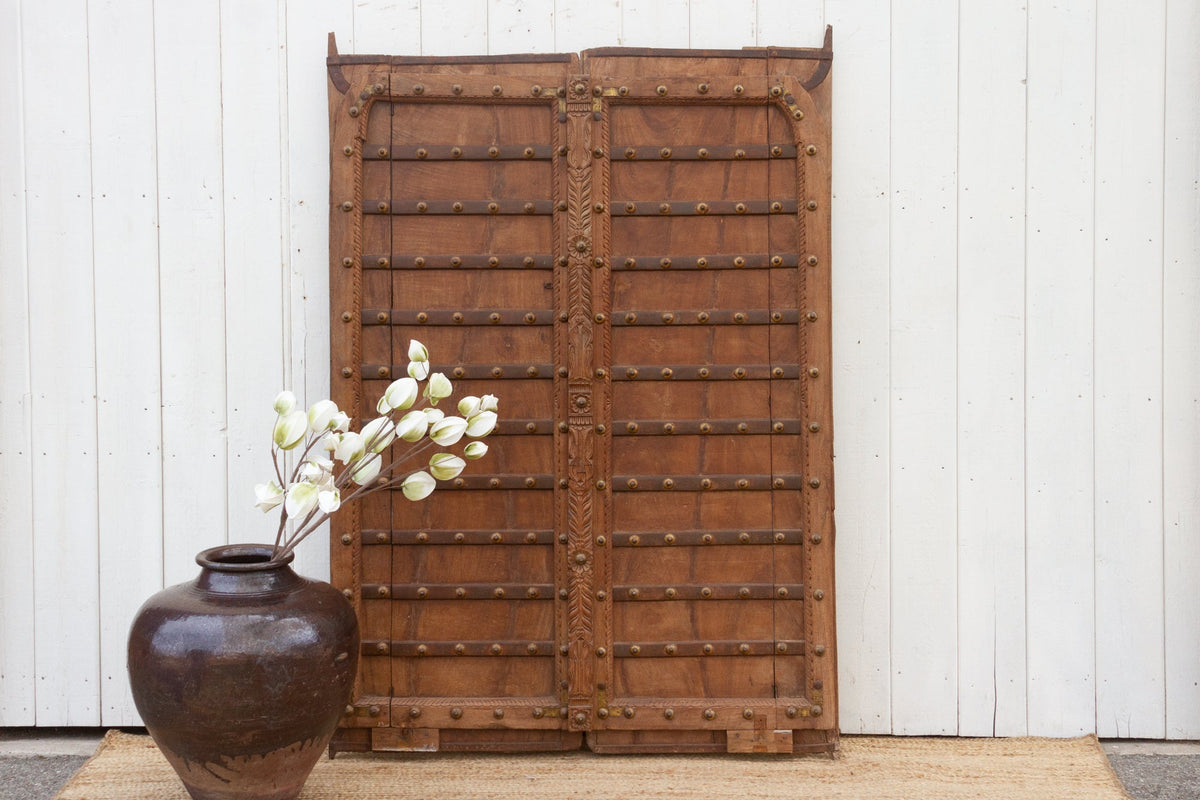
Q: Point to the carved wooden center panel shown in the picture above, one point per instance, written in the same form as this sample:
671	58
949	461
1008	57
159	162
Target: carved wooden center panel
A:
631	250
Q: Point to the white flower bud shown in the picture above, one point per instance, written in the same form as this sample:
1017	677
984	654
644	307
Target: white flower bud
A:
285	403
475	450
289	430
378	434
481	424
301	499
329	500
439	386
445	466
268	495
418	370
448	431
468	405
400	394
412	426
366	470
418	486
351	446
321	413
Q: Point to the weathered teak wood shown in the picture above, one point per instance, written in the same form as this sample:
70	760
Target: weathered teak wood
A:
631	249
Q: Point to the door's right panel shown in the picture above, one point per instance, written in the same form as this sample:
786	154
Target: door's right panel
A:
709	624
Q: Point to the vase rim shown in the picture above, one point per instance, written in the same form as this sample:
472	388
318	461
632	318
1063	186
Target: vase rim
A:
241	558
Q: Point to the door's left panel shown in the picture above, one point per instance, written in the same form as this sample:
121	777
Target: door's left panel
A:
458	219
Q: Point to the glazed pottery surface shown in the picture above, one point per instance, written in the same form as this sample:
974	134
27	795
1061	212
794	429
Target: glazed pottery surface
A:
241	675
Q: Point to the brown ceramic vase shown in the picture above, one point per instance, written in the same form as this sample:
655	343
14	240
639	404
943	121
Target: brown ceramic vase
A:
240	675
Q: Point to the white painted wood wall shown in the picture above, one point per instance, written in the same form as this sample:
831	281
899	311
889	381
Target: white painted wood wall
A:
1017	332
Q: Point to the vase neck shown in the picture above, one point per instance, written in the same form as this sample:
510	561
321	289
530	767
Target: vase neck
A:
244	569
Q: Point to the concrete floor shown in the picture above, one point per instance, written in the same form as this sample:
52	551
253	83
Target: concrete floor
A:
35	763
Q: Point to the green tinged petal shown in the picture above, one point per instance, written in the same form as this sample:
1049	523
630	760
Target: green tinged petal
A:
290	430
367	470
418	486
445	466
481	424
285	403
448	431
475	450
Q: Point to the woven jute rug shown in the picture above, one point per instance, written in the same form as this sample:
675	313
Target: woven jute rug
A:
129	767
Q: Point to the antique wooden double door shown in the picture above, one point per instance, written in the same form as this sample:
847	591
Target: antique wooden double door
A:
631	250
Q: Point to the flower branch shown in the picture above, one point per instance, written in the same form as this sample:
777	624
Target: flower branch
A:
408	413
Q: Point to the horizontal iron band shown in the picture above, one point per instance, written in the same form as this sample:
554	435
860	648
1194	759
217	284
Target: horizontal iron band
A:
702	372
452	261
712	427
443	537
396	316
524	427
753	647
405	207
695	208
622	319
414	85
712	152
443	705
714	538
748	261
499	482
406	649
701	483
472	372
461	152
458	591
719	88
721	591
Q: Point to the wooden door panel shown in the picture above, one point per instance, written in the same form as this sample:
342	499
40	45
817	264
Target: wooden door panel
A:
630	250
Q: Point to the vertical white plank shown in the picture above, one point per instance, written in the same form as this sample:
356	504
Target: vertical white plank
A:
520	26
991	370
125	250
723	24
255	349
307	229
580	24
16	435
1181	369
861	289
801	23
457	31
1129	359
187	40
924	108
654	23
390	27
62	362
1059	463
